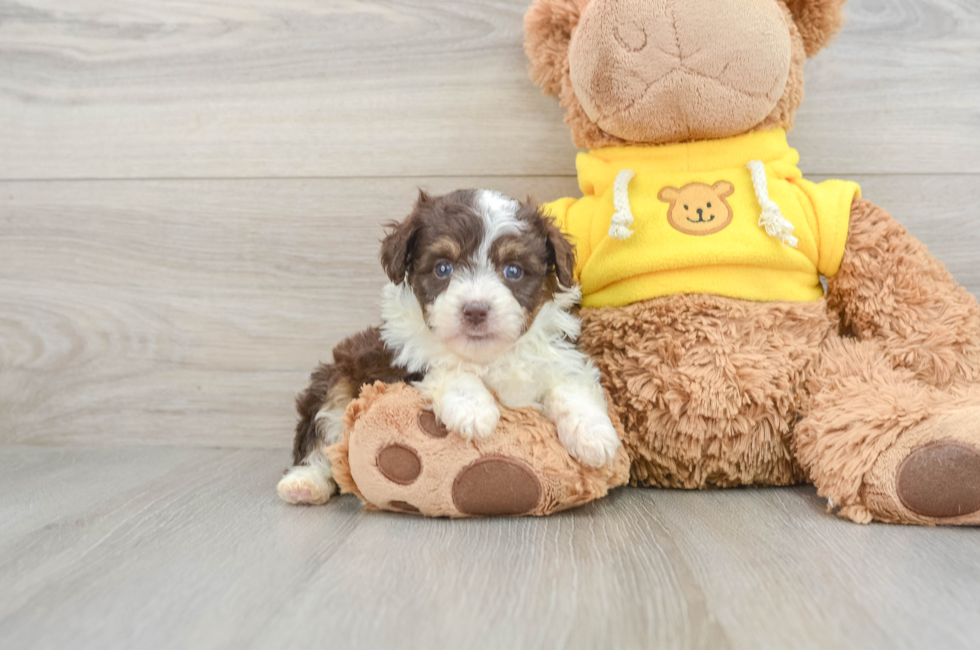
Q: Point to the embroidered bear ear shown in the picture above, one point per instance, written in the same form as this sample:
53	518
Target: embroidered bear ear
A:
668	194
817	20
723	189
548	27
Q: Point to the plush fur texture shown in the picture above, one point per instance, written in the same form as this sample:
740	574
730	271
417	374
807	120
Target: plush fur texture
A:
860	407
715	392
386	415
708	388
549	25
652	72
844	391
890	289
817	21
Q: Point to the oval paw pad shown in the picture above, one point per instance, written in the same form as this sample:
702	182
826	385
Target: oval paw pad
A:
431	425
495	486
941	479
403	506
399	464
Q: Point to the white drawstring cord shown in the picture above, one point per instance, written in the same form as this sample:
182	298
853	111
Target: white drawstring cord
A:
772	219
622	218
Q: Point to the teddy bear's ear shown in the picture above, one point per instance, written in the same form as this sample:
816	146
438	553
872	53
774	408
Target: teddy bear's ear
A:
817	20
548	27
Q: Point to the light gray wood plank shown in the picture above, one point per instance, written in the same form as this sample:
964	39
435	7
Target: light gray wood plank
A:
201	553
260	88
191	312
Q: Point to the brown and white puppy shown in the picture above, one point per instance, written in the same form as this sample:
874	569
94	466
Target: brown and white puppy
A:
480	300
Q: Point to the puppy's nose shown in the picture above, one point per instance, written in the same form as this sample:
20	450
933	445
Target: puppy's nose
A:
475	312
700	210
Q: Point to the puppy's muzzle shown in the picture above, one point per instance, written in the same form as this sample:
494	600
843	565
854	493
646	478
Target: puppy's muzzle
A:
476	313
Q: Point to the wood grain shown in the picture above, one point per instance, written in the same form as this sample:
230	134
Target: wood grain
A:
190	312
192	548
191	197
253	88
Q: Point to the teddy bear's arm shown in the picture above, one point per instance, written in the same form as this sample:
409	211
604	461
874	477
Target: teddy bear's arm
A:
890	289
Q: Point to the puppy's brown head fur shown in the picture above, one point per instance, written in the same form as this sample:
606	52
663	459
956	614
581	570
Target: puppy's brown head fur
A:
480	264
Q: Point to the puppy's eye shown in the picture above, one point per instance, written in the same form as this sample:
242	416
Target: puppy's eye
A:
685	207
443	269
709	205
513	272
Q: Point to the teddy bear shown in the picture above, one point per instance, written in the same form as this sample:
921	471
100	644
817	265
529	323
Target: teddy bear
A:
701	249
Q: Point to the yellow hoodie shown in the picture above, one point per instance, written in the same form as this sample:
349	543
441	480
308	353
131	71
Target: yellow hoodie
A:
731	217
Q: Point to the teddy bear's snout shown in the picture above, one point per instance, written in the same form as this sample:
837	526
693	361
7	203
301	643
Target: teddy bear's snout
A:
631	35
662	70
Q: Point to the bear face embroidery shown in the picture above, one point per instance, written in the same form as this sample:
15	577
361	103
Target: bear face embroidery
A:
698	209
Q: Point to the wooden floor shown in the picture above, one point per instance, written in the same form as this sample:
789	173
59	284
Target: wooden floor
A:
191	196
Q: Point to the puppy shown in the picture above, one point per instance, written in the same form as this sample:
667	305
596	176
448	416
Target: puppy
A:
479	304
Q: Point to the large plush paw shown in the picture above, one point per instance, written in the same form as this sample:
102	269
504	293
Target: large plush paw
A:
471	414
306	485
396	455
589	436
931	475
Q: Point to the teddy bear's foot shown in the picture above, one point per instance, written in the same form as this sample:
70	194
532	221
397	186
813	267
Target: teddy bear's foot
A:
395	455
931	475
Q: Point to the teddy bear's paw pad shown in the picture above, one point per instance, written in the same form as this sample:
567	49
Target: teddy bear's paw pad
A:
940	479
403	506
431	426
494	486
399	464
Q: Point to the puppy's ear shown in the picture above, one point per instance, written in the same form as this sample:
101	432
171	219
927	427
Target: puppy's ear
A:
561	253
817	20
398	246
548	27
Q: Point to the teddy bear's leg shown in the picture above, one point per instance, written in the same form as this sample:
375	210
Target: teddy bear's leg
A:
882	445
889	289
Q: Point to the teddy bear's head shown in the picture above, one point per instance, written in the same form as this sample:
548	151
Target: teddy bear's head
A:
662	71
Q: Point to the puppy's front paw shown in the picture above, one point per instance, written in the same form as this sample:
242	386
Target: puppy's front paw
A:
589	437
472	415
306	485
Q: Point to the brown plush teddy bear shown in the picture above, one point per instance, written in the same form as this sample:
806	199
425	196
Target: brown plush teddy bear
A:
700	251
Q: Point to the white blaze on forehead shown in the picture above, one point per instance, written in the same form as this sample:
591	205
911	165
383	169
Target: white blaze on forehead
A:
479	282
499	214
